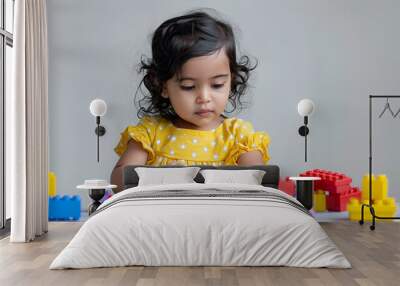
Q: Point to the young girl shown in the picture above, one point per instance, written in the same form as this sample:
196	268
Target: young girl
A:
192	75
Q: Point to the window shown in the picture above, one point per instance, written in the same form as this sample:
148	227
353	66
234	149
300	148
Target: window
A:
6	45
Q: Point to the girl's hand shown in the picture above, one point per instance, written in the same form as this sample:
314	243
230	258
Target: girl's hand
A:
134	155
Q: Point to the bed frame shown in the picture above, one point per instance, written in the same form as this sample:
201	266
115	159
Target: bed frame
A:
270	179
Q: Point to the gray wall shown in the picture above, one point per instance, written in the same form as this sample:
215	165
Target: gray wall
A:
334	52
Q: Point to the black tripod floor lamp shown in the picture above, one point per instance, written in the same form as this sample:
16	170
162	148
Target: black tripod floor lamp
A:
370	205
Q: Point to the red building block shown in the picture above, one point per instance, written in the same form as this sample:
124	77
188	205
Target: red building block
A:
333	182
287	186
338	201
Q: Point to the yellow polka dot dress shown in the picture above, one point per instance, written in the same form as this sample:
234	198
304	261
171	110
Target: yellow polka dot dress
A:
170	145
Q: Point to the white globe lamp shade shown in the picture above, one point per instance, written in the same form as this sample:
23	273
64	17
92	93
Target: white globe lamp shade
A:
98	107
305	107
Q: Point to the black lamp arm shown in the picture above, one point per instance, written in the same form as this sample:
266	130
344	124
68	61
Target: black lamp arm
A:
303	131
100	131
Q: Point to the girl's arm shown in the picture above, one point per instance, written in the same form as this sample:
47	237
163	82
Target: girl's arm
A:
134	155
250	158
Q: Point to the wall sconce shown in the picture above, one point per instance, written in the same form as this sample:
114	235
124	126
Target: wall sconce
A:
305	107
98	108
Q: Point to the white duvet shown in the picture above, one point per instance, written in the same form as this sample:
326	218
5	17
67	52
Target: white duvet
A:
183	231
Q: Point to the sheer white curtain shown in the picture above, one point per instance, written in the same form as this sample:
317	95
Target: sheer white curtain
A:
27	123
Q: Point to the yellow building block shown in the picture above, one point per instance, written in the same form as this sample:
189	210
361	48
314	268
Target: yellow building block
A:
52	184
379	187
384	208
365	186
381	191
319	201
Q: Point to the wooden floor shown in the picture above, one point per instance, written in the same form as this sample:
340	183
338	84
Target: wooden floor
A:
374	255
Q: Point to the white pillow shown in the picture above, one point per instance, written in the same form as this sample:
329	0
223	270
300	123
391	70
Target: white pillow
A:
249	177
162	176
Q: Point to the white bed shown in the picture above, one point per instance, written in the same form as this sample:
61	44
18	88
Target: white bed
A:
201	224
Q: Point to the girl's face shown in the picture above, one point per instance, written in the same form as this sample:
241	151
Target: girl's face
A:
200	92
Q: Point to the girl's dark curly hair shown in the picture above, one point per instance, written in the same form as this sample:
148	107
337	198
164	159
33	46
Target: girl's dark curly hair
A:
176	41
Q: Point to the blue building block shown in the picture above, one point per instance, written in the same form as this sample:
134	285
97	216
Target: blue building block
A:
64	208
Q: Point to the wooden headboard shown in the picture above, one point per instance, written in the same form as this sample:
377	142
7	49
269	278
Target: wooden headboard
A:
270	179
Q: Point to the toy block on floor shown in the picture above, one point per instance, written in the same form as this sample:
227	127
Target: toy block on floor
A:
338	202
333	182
383	205
319	201
287	186
384	208
64	208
